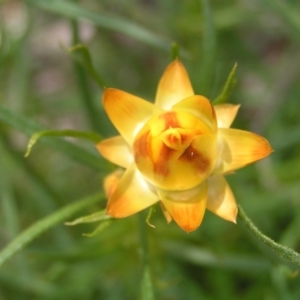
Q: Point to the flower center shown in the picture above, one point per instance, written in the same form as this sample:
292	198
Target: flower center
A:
175	150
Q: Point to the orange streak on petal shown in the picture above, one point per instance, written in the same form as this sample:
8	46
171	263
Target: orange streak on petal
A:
187	208
196	158
170	119
111	182
238	148
161	164
220	199
140	145
132	195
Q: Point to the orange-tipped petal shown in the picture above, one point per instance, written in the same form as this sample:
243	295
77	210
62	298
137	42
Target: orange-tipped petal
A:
220	199
132	195
187	208
200	107
226	113
238	148
111	182
127	112
174	86
116	150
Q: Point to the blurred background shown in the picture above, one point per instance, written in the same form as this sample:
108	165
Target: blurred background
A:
42	86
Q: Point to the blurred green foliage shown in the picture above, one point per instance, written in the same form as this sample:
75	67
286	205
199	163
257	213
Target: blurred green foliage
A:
43	87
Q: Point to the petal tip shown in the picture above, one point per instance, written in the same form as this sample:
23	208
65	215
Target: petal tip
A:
265	148
190	229
234	216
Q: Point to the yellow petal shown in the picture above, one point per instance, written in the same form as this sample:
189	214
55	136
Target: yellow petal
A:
127	112
238	148
111	182
220	199
116	150
132	195
226	113
187	208
200	107
174	86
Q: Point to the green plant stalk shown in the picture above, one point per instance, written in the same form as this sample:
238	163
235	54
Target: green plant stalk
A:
11	218
143	237
147	292
283	252
83	85
81	55
8	205
35	230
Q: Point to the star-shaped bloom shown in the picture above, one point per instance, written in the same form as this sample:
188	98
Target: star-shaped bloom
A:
175	151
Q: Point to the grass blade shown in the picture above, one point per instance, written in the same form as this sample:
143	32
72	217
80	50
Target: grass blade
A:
35	230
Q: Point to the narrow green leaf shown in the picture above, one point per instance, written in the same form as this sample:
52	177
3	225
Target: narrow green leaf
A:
35	230
90	136
228	87
102	226
28	127
87	97
147	292
114	23
95	217
82	55
283	252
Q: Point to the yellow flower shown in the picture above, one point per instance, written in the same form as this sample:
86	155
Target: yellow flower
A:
175	151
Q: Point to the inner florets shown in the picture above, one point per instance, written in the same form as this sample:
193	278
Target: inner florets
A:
175	150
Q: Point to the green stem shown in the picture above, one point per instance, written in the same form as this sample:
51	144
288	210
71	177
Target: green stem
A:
35	230
143	237
147	291
83	85
282	251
